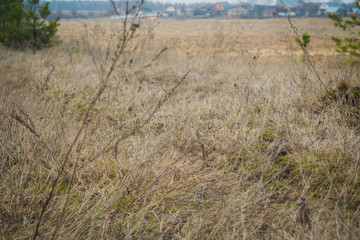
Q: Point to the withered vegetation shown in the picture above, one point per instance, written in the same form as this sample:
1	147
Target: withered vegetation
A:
131	131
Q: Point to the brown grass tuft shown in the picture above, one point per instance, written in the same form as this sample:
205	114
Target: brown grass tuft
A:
198	134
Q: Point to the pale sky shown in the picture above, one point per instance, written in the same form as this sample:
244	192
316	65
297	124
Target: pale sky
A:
269	2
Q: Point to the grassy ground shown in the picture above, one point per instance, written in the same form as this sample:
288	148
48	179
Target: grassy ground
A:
185	130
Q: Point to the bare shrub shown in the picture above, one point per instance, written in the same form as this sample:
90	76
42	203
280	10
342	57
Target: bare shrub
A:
123	141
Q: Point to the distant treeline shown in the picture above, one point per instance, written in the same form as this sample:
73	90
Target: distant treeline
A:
61	5
79	5
88	9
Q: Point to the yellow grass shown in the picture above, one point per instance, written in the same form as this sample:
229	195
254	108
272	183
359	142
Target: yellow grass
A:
199	129
273	37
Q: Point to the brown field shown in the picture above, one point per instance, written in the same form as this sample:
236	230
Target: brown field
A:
273	37
197	129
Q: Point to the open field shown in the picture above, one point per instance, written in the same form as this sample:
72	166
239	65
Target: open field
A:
274	37
198	129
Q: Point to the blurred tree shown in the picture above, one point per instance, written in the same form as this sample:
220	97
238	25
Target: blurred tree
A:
348	45
311	9
23	24
74	13
12	32
41	32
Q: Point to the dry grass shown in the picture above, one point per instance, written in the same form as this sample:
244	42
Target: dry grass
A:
203	129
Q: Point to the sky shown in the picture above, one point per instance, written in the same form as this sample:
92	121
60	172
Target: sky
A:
268	2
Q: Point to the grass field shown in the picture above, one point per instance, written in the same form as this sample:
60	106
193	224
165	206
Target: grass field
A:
274	37
197	129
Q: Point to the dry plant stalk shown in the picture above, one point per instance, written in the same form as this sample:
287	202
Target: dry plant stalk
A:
230	150
127	36
309	61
